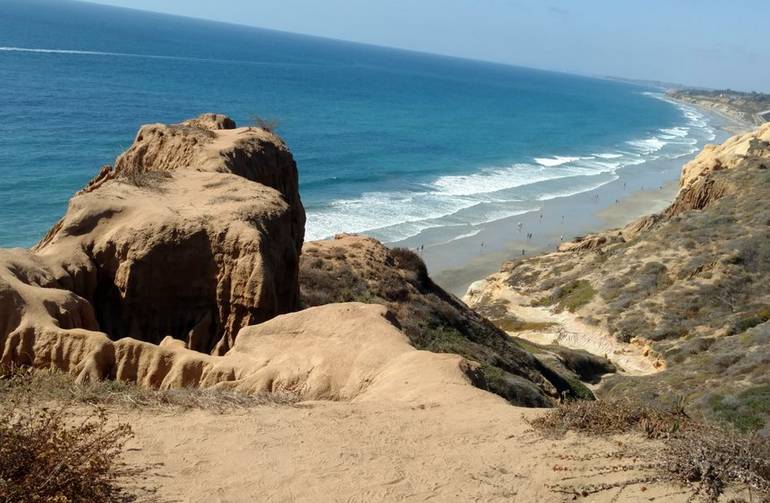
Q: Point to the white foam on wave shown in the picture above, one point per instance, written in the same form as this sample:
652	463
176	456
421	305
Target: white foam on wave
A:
90	53
492	180
574	191
491	212
492	194
648	145
558	160
676	132
78	52
466	235
394	216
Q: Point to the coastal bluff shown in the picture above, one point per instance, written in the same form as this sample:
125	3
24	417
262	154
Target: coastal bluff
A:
678	300
179	266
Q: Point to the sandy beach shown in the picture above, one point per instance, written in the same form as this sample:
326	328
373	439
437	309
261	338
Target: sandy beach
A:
638	191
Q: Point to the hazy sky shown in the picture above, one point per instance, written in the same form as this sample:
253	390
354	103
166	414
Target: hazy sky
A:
697	42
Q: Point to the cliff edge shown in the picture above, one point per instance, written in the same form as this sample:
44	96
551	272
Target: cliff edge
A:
179	267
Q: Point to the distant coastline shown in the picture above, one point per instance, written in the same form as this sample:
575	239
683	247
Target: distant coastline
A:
743	111
636	193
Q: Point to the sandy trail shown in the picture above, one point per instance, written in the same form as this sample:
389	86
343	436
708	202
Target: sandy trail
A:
566	329
476	450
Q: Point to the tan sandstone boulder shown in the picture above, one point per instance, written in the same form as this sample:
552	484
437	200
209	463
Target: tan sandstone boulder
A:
194	234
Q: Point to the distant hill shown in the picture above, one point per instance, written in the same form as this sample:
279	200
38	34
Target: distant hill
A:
752	108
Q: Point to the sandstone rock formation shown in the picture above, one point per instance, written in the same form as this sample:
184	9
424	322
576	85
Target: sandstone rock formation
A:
194	234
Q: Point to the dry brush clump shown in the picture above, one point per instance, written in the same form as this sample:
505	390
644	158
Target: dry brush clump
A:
707	457
52	454
58	442
45	386
153	180
268	124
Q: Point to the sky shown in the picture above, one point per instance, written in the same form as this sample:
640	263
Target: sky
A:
708	43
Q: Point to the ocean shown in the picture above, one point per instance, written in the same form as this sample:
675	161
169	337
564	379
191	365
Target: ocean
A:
391	143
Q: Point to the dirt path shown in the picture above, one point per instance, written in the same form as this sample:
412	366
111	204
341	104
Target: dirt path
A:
565	329
477	450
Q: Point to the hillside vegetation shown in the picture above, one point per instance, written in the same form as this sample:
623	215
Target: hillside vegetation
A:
692	284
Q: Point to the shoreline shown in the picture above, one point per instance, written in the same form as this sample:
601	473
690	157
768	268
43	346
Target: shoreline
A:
732	125
456	264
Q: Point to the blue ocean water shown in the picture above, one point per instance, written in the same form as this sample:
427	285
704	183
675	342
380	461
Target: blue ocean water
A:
388	142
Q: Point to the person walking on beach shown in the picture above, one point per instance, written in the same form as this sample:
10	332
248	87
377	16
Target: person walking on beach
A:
520	225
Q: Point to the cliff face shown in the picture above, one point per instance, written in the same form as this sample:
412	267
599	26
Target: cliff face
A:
689	284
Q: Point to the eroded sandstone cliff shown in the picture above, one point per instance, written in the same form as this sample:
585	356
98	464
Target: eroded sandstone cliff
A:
194	234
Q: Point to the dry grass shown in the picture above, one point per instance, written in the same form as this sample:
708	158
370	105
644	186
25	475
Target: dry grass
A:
50	454
145	179
51	386
269	124
706	457
58	442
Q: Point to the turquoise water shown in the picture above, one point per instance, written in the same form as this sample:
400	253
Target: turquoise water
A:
388	142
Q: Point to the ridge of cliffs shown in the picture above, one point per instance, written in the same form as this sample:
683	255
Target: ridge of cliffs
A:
688	285
180	266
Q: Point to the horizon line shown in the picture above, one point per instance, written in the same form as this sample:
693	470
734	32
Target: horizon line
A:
627	80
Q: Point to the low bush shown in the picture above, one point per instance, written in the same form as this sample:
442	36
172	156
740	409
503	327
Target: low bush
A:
695	454
574	295
750	320
608	417
50	454
746	411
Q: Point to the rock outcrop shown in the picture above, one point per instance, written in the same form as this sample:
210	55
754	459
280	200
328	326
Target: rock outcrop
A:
195	233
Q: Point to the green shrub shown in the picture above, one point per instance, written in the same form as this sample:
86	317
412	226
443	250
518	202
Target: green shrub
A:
746	411
574	295
750	321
